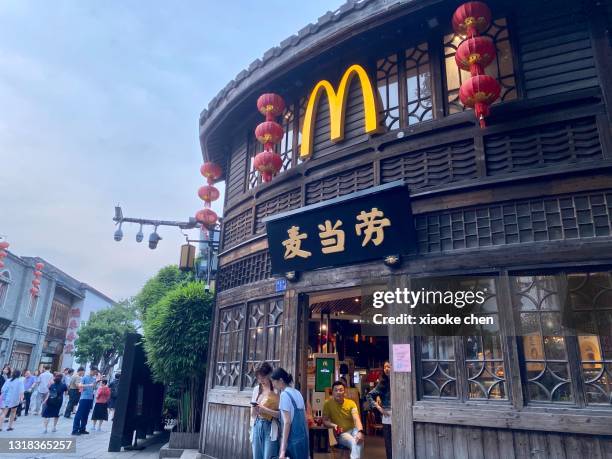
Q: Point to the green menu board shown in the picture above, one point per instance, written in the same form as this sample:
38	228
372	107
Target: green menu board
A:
324	376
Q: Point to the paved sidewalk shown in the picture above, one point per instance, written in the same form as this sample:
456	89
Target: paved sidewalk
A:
92	446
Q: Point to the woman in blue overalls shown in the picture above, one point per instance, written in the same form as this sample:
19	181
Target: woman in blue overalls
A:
294	427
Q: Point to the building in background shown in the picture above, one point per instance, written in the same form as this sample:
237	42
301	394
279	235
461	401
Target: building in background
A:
42	329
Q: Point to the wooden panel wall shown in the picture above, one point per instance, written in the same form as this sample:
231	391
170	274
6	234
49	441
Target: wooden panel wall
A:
441	441
555	53
227	432
236	167
432	166
340	184
353	122
573	141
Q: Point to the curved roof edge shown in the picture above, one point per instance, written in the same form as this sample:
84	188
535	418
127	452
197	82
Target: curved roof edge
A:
327	26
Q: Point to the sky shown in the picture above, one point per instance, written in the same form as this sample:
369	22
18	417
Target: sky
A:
99	105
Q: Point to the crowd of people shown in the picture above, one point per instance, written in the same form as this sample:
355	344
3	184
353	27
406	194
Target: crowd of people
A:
280	418
71	393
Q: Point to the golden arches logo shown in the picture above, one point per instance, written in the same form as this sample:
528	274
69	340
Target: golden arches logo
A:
337	104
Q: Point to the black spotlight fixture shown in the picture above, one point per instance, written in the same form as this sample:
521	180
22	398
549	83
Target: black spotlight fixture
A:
118	234
154	238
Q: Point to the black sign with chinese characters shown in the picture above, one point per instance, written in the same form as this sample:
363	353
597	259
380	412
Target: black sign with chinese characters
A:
366	225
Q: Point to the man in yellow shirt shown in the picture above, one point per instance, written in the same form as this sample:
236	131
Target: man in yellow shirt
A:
341	414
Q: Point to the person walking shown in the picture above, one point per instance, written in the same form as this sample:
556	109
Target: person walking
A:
294	425
12	396
100	411
28	382
73	392
114	389
5	376
53	401
383	391
86	387
42	389
264	412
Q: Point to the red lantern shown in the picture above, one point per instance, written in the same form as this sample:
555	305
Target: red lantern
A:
269	133
39	266
73	324
37	273
474	54
211	171
208	193
207	217
71	336
4	245
270	105
479	92
471	18
3	254
36	282
267	163
34	291
68	348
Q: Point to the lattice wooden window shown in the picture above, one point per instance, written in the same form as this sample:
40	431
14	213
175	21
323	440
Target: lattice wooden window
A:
285	148
388	87
5	279
229	347
253	147
470	367
502	68
32	305
590	295
537	300
264	334
438	367
411	102
419	102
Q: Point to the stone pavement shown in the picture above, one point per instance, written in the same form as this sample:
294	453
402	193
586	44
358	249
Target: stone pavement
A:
92	446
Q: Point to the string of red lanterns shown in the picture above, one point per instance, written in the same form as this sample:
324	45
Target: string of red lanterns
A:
38	267
3	254
473	55
209	193
268	163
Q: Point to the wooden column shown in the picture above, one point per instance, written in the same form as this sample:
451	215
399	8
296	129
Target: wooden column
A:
401	383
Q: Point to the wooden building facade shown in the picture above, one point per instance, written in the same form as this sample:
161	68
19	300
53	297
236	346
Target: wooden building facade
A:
523	206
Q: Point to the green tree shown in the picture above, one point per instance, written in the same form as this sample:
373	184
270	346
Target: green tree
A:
176	332
154	290
102	338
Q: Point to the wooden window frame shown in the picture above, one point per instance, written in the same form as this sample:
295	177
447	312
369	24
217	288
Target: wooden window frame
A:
244	335
514	360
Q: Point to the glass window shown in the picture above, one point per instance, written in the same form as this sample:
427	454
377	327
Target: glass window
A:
32	306
590	295
502	68
466	367
229	346
537	300
388	89
263	336
418	85
285	148
5	279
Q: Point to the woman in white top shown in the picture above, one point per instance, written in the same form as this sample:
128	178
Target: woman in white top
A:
294	437
12	396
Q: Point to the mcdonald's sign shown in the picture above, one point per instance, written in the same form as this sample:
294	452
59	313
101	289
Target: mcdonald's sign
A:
337	105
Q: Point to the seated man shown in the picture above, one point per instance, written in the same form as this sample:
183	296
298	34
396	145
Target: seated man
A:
341	414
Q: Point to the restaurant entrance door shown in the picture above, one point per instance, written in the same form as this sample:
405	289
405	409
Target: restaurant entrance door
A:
339	346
